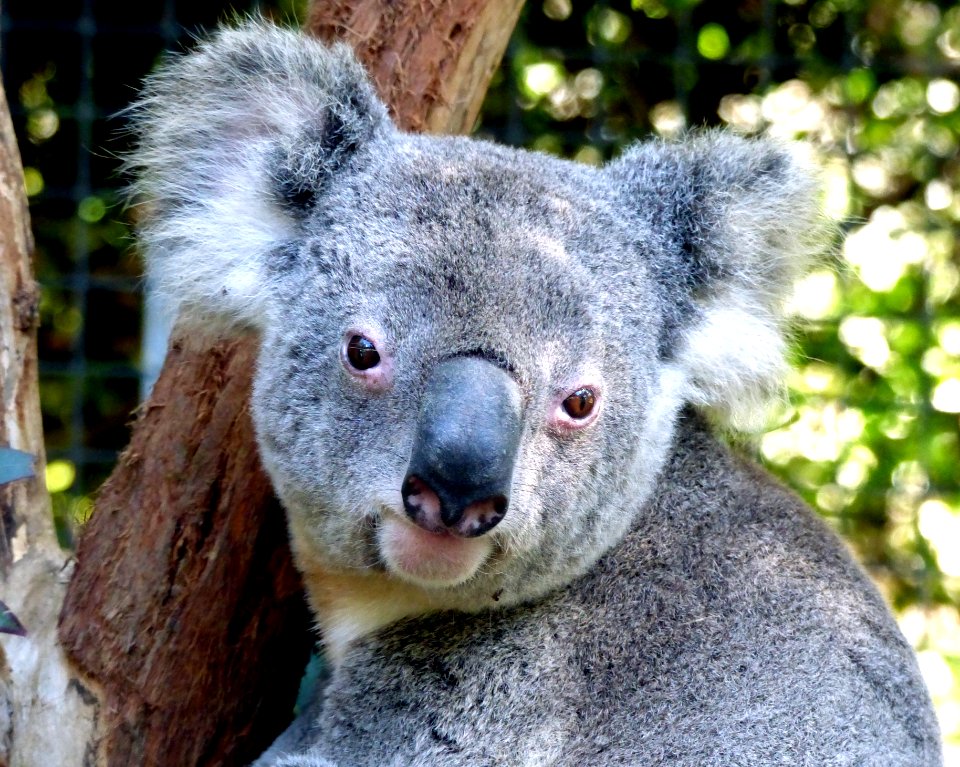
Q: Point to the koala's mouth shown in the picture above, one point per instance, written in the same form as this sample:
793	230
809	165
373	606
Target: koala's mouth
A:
430	559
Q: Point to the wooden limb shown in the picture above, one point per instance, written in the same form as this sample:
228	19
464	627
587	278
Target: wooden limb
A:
185	613
45	716
25	505
188	614
431	61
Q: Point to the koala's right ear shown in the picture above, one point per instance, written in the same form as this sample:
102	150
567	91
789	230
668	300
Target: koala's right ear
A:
236	142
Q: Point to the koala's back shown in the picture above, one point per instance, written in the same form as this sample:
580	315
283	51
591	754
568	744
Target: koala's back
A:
729	628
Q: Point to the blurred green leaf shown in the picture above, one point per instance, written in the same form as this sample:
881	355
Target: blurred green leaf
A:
713	42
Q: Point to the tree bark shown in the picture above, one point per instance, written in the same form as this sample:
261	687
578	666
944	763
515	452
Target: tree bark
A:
41	712
184	617
431	61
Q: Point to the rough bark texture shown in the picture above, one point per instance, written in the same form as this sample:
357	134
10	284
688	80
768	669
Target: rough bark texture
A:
45	717
185	611
432	61
20	425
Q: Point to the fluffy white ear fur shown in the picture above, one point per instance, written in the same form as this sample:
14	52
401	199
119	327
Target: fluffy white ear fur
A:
217	129
735	363
208	261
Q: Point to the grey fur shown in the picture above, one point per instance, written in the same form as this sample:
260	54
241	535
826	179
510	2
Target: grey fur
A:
649	599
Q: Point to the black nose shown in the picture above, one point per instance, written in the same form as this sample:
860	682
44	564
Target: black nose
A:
465	448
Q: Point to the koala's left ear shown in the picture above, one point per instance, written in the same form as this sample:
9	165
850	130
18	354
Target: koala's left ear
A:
238	140
732	222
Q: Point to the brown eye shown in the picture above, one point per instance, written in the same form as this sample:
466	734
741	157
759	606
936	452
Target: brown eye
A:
580	404
362	354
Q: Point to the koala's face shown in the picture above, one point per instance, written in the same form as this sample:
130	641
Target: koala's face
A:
447	389
472	357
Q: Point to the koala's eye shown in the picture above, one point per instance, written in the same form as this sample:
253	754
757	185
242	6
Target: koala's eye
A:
580	404
361	353
577	404
365	356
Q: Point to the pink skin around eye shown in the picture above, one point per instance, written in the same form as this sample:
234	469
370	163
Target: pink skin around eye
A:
377	378
559	420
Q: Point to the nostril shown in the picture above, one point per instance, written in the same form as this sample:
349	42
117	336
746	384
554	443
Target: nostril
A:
421	504
482	516
411	486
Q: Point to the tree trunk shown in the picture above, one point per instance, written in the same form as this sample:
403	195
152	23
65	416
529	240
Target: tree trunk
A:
37	699
184	616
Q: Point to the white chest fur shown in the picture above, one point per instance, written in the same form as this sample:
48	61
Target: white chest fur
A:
349	606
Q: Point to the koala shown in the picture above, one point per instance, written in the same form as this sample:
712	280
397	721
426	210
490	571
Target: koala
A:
484	395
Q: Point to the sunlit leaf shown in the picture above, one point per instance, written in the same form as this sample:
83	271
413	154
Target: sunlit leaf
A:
859	85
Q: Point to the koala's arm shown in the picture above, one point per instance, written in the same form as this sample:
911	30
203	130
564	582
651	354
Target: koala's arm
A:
293	747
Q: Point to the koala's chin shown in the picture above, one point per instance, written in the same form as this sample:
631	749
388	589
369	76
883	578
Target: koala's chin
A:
429	559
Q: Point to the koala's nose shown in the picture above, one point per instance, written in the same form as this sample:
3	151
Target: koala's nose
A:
465	448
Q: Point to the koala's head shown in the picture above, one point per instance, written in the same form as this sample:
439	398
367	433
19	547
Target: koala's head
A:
471	357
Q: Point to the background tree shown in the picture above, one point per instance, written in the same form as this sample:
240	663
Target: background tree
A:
36	699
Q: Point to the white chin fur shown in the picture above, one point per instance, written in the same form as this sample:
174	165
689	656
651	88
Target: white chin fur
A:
429	559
